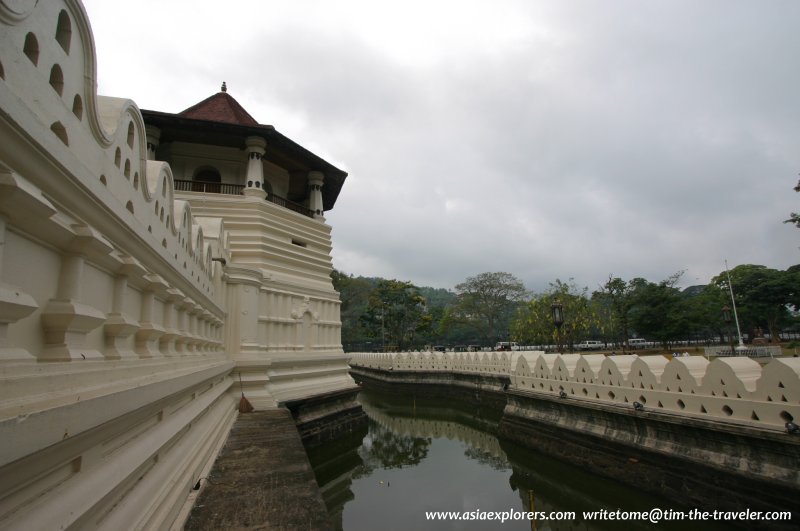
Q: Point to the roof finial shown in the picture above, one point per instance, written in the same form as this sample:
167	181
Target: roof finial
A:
224	87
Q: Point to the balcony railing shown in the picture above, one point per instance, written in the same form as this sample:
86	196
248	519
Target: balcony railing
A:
208	188
236	189
291	205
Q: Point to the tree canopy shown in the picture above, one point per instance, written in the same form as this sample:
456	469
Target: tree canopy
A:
763	296
533	323
395	313
489	307
486	303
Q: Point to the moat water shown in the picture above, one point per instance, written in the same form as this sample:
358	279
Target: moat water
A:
423	455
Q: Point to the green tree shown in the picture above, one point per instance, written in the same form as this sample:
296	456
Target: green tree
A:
658	311
354	296
437	300
763	296
795	217
703	307
486	303
395	313
614	302
534	321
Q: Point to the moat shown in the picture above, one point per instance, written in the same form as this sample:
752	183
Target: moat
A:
423	454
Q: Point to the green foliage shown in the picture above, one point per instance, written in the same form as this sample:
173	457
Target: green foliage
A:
794	217
613	304
354	295
658	311
395	313
487	306
485	303
703	309
533	323
438	300
763	295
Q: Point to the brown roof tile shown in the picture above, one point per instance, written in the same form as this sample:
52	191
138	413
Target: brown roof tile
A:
221	107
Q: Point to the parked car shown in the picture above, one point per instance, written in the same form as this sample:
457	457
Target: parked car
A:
637	342
589	344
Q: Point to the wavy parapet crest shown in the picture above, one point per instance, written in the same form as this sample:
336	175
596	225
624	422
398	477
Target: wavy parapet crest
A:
48	87
731	389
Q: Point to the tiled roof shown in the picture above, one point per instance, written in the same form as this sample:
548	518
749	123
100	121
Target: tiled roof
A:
221	107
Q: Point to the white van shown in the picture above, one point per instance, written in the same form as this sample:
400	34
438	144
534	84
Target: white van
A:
505	345
589	345
637	343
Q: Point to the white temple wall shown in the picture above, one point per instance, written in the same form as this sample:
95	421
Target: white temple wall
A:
121	341
111	405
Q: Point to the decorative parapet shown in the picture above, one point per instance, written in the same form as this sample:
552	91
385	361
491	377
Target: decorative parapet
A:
730	389
114	296
47	93
96	238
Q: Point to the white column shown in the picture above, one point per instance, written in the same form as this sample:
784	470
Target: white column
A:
254	182
315	182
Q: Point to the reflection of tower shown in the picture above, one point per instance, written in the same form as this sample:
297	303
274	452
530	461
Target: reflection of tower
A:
334	465
558	486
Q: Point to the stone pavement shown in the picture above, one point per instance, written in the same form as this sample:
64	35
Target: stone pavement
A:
261	480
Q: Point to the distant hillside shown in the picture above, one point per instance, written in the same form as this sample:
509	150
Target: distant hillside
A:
693	291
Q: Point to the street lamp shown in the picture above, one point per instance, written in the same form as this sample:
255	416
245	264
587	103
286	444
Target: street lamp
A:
726	316
558	319
733	302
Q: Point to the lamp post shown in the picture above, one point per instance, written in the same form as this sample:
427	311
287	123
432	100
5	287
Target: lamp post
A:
726	316
558	319
383	334
733	303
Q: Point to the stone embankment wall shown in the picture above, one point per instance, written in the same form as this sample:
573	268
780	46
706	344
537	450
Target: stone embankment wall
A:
735	390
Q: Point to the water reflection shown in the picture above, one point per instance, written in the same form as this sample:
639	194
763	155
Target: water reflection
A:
384	448
431	455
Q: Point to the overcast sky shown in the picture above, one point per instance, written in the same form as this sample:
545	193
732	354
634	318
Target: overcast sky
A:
549	139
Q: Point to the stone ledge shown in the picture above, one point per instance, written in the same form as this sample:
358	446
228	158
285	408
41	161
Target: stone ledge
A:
262	479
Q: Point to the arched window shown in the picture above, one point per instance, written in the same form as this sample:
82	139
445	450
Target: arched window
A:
57	79
207	179
64	31
31	48
77	107
61	132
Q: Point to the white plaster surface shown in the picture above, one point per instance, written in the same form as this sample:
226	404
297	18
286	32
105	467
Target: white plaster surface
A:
123	337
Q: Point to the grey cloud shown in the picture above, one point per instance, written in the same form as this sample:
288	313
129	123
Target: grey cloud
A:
626	137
